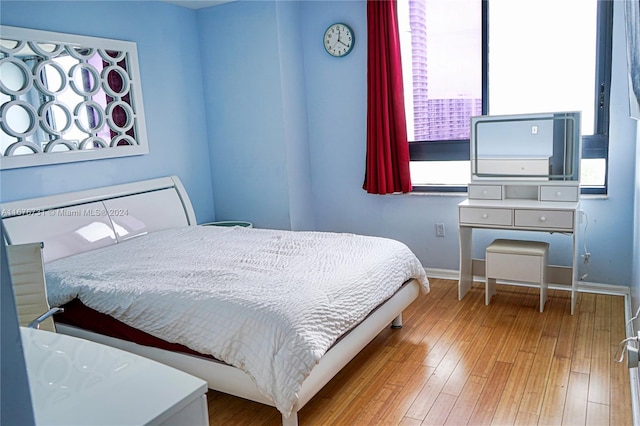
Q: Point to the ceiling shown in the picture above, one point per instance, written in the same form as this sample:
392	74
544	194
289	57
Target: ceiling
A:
197	4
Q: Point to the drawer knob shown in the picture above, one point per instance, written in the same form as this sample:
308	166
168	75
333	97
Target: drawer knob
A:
543	219
558	194
485	216
484	192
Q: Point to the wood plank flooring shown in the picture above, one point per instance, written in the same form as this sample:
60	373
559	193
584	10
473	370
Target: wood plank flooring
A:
461	362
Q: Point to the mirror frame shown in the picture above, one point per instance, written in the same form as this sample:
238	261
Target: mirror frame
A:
135	109
572	153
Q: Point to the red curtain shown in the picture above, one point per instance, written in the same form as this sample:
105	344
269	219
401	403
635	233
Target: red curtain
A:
387	169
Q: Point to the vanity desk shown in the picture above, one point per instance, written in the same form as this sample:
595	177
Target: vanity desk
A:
524	177
555	209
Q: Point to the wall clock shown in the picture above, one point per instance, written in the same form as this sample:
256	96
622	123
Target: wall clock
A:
339	39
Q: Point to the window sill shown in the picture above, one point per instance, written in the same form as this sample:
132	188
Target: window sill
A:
438	194
465	195
594	197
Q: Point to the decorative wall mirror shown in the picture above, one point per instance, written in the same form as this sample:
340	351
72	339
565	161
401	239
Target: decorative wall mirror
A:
67	98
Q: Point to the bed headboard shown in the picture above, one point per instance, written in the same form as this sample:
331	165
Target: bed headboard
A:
80	221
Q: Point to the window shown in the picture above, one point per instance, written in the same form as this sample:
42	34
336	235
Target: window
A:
463	58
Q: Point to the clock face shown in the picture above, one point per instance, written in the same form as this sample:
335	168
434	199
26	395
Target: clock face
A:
338	40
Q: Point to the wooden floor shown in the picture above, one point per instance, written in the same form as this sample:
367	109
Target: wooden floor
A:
461	362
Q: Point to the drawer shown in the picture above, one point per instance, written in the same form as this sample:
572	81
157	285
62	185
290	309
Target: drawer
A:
485	192
484	216
561	219
558	193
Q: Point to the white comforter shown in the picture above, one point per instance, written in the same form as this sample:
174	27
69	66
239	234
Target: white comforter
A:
268	302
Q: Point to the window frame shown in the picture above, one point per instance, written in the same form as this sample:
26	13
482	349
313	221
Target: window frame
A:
593	146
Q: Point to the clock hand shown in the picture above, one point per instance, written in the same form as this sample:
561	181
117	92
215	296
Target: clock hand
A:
339	41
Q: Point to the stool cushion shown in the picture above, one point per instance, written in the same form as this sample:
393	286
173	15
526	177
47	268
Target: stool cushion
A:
533	248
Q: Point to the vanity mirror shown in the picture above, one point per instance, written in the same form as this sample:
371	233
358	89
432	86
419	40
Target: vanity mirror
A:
538	147
67	98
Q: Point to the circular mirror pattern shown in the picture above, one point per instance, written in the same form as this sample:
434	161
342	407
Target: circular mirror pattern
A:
16	77
11	46
80	52
18	118
117	81
89	116
112	56
50	77
46	50
61	97
122	140
55	118
120	116
22	148
85	80
93	143
59	145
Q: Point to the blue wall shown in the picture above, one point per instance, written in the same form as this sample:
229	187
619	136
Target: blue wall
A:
277	127
335	90
169	56
244	113
252	62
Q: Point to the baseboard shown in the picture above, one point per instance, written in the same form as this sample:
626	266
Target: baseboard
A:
589	287
445	274
584	286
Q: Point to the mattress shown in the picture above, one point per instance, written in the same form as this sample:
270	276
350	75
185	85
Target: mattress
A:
76	314
266	301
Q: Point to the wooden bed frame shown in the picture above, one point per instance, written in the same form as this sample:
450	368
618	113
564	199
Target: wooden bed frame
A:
75	222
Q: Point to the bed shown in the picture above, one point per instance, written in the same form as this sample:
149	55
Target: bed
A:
135	253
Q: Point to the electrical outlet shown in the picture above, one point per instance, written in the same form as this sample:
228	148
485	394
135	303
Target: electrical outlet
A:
440	230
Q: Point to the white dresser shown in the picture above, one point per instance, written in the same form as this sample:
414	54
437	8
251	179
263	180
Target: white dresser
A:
521	206
78	382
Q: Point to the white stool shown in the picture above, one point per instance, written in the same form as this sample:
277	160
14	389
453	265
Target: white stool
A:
516	260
